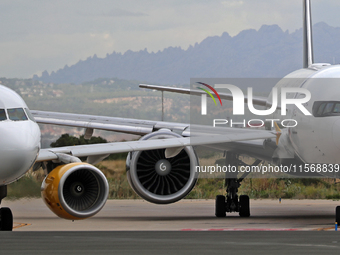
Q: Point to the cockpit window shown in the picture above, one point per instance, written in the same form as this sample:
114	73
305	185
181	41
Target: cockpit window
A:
326	109
3	115
29	114
320	110
337	108
16	114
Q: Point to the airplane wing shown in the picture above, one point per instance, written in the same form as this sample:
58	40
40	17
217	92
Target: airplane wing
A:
124	125
118	147
227	138
260	101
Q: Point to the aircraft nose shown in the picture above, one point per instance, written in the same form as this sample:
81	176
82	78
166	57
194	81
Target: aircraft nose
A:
19	146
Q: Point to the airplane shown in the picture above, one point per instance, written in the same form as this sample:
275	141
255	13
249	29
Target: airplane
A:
161	166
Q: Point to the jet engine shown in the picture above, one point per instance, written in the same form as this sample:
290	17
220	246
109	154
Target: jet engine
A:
75	191
159	179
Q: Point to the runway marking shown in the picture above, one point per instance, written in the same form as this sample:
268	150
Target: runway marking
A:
325	229
287	244
244	229
20	225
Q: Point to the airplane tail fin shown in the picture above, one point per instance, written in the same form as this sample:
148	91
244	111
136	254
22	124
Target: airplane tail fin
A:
308	55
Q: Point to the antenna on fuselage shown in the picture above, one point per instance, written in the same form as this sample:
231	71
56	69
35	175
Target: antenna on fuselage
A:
308	55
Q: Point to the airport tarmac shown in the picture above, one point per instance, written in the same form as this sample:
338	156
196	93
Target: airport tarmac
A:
186	227
186	215
169	242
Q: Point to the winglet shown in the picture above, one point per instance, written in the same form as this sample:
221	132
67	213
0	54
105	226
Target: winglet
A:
308	55
278	133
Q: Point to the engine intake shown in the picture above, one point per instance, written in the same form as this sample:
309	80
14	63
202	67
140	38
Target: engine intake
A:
158	179
75	191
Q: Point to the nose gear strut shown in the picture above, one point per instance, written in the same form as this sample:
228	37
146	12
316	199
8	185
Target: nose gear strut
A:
232	202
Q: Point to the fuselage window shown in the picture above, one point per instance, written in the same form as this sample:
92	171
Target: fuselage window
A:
3	115
16	114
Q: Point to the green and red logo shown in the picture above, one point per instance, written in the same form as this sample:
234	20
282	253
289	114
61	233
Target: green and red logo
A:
204	97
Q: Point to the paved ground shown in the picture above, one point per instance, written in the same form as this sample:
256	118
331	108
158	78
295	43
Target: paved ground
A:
39	231
155	242
120	215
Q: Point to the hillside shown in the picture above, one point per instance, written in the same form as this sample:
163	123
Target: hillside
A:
268	52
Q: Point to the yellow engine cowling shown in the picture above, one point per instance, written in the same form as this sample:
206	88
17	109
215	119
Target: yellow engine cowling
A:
75	191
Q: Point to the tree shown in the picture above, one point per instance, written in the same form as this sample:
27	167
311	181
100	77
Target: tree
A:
69	140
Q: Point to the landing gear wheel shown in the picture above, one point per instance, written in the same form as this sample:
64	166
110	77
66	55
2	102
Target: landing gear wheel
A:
220	206
244	210
6	219
337	215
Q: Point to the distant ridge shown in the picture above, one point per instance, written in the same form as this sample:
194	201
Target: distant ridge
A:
268	52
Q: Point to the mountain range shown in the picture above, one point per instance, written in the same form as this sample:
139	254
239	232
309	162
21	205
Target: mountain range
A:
268	52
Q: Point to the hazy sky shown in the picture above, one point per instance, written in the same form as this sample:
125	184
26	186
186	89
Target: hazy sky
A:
38	35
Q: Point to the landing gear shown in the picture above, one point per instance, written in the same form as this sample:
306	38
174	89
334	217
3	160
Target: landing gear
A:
244	209
337	215
220	206
6	217
232	202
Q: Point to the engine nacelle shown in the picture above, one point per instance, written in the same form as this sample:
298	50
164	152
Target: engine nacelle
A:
158	179
75	191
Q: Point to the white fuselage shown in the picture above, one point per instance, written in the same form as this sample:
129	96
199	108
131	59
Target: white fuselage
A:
19	137
316	139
